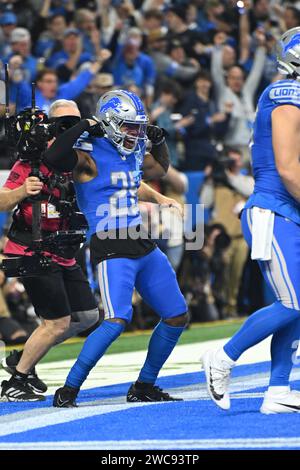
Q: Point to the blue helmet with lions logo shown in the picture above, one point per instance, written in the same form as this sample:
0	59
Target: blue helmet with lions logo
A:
124	120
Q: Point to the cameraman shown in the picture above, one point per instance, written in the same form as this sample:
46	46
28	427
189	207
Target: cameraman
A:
62	297
225	191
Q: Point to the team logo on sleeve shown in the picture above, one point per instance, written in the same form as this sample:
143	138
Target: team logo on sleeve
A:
285	93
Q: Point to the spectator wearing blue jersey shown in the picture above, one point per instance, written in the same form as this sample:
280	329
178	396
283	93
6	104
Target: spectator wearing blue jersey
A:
18	85
133	66
50	40
8	23
48	89
21	43
85	21
70	57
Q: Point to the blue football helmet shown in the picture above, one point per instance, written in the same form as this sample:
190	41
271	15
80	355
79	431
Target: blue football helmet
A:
124	120
288	53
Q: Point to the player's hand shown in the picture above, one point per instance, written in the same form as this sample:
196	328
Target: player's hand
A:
171	204
155	134
96	128
32	186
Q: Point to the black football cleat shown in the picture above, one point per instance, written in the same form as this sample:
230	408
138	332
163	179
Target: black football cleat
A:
65	397
10	363
18	390
142	392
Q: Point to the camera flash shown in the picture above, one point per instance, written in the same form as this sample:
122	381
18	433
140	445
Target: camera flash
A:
240	4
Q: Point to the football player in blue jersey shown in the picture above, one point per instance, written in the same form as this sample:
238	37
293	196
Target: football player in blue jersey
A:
271	227
108	164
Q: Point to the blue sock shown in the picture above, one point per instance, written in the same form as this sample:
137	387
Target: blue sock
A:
283	350
93	349
162	342
259	326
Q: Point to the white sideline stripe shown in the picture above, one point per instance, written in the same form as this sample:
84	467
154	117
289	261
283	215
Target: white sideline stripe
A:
190	444
64	416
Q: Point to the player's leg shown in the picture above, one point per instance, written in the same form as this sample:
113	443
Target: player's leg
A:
281	274
116	279
157	284
279	398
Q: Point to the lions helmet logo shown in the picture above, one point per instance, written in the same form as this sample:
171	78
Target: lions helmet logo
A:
294	41
114	103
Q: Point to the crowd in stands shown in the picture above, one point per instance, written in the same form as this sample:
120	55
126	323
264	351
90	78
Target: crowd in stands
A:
199	67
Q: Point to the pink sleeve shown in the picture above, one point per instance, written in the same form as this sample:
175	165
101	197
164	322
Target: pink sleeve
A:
17	176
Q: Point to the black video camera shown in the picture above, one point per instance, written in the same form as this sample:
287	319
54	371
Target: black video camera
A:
219	166
29	133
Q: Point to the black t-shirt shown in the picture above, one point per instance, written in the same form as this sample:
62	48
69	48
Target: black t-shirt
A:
120	245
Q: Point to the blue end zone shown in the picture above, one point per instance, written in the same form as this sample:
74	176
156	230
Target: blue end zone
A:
118	390
195	420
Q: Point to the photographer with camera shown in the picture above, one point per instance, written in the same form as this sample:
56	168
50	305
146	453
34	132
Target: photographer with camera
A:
225	191
62	297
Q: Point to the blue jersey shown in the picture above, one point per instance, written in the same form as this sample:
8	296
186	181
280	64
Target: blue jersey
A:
109	201
269	190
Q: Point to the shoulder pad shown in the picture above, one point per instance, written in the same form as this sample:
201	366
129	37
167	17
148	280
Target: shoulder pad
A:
285	92
84	143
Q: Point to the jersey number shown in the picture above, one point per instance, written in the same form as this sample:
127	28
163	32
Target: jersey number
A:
124	201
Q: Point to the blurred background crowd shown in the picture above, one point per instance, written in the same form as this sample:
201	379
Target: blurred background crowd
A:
199	67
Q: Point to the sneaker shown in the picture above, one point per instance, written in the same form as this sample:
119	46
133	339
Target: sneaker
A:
10	363
217	378
142	392
17	390
65	397
285	402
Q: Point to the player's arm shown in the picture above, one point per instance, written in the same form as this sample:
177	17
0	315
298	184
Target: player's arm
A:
85	169
286	146
152	169
148	194
60	155
157	162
